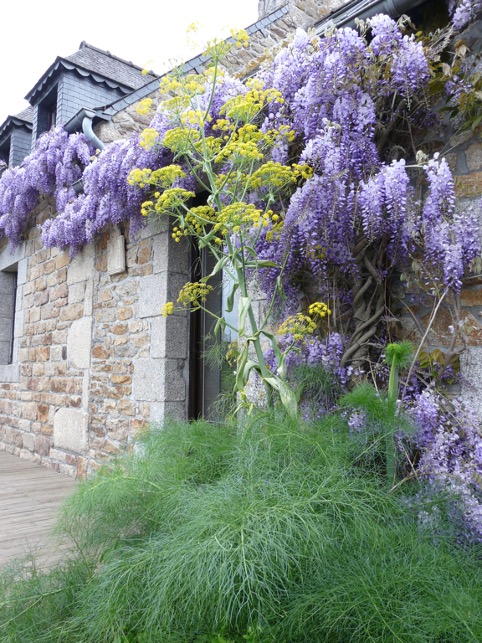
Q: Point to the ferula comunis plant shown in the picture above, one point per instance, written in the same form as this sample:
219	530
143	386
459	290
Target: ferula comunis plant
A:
310	173
219	140
305	173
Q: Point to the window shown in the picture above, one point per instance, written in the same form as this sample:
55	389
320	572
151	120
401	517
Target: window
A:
47	112
205	374
5	151
209	372
8	290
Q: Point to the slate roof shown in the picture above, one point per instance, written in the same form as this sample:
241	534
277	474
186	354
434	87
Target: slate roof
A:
26	115
22	119
100	65
104	63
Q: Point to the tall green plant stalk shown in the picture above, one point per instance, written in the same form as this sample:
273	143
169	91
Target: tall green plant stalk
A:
228	159
398	357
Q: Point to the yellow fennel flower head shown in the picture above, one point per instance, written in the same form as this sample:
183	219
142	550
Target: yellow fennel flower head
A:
298	325
193	293
245	108
167	309
170	83
255	84
193	117
223	125
164	177
181	139
217	48
146	208
211	146
284	131
148	138
144	106
273	175
238	214
303	171
204	214
240	37
140	177
177	234
318	309
170	200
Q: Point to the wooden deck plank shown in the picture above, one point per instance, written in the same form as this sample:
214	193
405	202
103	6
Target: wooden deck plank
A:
30	500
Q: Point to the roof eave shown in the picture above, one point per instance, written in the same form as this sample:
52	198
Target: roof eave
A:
362	9
68	65
13	121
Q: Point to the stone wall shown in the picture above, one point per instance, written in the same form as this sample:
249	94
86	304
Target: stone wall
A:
462	149
304	12
96	360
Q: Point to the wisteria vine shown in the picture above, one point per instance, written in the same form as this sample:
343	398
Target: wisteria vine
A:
348	107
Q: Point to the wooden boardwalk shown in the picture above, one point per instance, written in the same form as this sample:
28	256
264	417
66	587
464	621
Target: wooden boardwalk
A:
30	498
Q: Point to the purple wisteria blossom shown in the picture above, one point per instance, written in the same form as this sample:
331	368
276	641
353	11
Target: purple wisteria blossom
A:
56	163
313	351
385	202
450	235
107	198
409	69
450	442
465	12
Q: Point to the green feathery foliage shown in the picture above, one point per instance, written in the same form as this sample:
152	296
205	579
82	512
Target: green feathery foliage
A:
262	533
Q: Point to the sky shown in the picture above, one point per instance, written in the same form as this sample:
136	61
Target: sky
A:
150	34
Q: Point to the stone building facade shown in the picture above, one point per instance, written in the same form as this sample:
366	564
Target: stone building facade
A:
93	358
86	358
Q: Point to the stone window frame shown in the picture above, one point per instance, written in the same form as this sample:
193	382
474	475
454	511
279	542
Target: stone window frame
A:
14	262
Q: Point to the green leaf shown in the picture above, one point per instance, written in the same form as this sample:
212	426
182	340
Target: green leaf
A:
287	396
230	300
248	367
241	363
244	306
476	122
218	267
274	345
206	240
220	326
261	263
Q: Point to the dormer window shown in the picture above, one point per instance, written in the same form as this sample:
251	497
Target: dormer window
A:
47	112
5	151
15	138
52	116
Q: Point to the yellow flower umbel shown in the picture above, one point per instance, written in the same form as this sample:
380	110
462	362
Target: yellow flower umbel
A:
236	215
244	108
144	107
298	325
194	293
162	178
318	310
148	138
167	309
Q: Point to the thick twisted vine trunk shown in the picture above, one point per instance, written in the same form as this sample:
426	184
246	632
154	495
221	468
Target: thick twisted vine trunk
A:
368	293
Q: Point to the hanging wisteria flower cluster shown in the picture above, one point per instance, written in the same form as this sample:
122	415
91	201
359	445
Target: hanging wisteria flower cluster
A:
466	11
450	444
58	161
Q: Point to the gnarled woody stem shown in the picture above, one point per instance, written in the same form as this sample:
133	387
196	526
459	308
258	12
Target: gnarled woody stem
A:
368	303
